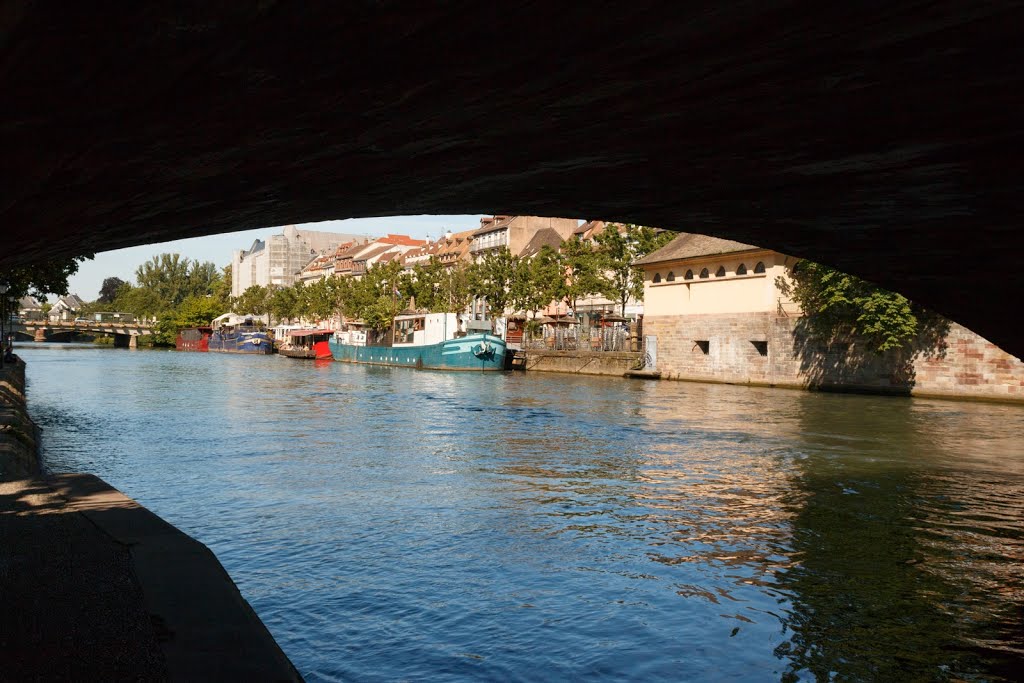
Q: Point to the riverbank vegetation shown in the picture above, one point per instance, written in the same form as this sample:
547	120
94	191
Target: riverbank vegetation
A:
178	292
41	278
840	307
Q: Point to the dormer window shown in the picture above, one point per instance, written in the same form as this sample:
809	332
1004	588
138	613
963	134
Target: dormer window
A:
720	272
688	275
759	268
671	277
657	278
704	273
741	270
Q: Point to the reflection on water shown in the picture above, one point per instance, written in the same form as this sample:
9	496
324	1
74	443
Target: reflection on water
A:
391	524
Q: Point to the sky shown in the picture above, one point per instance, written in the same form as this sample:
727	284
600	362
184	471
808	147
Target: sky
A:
218	248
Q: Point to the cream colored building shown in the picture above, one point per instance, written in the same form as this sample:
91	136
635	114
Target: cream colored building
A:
701	275
717	314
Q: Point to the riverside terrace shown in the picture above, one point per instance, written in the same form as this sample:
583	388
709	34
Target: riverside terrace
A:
884	144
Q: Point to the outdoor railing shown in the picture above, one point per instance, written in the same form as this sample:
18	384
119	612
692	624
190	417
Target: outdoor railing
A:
575	339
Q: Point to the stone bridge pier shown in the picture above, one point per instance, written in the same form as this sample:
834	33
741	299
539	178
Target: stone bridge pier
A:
126	341
40	334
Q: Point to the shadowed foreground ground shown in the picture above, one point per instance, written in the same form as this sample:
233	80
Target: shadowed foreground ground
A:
96	587
73	608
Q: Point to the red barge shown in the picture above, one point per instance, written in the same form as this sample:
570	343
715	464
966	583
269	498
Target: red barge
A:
307	344
193	339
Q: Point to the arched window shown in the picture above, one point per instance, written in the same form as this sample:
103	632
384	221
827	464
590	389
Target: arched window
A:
720	272
759	268
704	273
671	277
657	278
742	269
689	275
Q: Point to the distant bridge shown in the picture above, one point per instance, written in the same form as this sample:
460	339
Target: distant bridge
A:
124	334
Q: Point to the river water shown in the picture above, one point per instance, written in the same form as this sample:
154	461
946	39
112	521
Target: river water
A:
393	524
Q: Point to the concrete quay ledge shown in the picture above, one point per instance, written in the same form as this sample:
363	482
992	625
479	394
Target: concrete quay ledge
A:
97	587
609	363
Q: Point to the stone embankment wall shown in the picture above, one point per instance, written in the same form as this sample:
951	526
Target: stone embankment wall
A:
19	449
582	362
773	350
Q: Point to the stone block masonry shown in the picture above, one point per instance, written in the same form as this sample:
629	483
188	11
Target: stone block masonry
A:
582	362
770	350
18	434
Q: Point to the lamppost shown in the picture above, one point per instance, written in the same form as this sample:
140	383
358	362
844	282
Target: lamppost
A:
3	322
13	308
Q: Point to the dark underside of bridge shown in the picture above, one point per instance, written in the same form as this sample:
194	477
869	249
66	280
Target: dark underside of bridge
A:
883	138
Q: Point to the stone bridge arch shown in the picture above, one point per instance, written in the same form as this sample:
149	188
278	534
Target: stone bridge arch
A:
886	141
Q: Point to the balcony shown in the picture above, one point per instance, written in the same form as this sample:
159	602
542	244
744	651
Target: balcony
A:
494	240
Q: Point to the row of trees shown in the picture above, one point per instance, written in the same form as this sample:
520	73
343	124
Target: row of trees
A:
508	282
178	292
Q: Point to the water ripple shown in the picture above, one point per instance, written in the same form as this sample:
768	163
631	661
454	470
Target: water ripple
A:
392	524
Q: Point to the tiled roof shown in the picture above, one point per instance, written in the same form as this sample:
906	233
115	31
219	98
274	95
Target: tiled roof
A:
540	239
690	245
403	240
493	223
374	250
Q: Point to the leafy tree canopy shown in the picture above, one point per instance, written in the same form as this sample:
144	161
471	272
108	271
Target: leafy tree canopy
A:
42	278
617	277
255	300
837	305
109	288
493	276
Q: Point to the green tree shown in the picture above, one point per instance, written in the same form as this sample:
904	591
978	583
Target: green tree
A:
198	310
253	300
581	270
618	278
284	303
837	306
109	288
455	294
166	276
41	278
168	279
546	277
317	300
426	284
375	298
138	300
492	278
193	311
221	288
